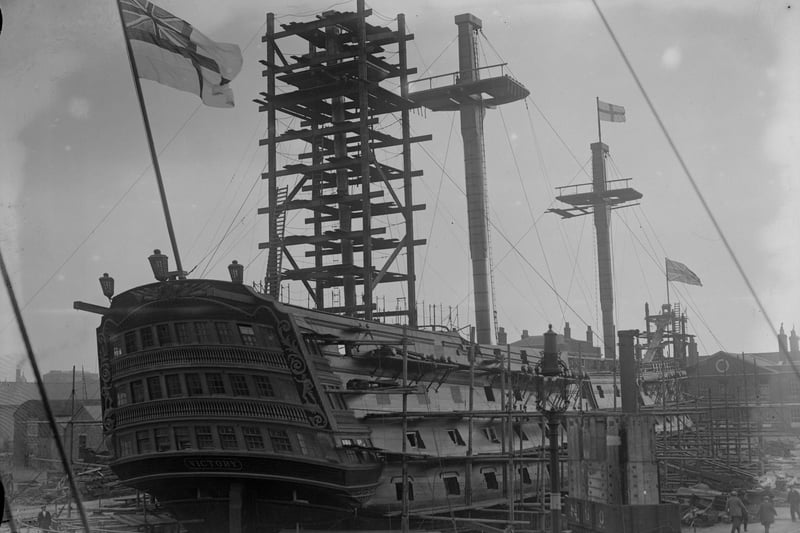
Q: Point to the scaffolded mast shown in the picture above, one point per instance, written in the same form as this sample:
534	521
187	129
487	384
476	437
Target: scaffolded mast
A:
348	124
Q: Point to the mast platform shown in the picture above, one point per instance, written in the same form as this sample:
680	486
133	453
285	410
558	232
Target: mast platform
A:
584	197
455	91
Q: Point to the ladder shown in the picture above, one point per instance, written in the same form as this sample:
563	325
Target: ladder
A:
275	259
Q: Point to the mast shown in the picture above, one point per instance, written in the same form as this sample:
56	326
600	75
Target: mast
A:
470	95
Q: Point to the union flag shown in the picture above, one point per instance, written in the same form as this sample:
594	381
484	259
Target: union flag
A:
170	51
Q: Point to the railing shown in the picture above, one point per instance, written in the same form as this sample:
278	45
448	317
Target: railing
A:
452	78
611	185
195	355
169	410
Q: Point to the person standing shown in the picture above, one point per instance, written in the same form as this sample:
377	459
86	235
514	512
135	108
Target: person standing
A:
735	509
766	514
794	503
44	519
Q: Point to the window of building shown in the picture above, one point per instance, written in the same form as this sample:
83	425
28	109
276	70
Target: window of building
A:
182	333
455	436
248	335
415	440
137	391
383	399
224	333
131	342
162	439
146	335
525	475
280	440
201	331
398	487
126	446
239	385
491	434
164	334
215	383
269	336
263	386
143	442
455	392
182	439
205	439
489	393
227	437
154	388
519	431
451	485
194	387
253	439
491	479
173	382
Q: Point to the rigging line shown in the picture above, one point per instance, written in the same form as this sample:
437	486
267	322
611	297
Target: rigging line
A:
638	259
530	207
435	60
217	205
508	241
695	187
103	218
51	421
211	253
561	230
656	261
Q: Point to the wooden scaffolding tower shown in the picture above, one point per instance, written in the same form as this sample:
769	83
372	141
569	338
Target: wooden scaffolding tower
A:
348	123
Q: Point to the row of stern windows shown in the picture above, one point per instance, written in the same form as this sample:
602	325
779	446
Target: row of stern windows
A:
200	332
194	384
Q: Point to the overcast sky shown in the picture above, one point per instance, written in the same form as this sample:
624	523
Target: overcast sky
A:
79	197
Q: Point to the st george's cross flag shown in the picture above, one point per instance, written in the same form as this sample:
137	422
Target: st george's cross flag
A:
610	112
679	272
170	51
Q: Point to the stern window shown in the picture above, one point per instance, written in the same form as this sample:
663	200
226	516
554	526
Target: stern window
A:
143	442
227	437
491	480
162	439
224	333
263	386
194	387
248	335
215	383
146	334
455	436
489	394
205	440
182	333
415	440
280	440
239	385
182	439
201	329
131	344
252	438
154	386
173	385
137	391
398	487
164	334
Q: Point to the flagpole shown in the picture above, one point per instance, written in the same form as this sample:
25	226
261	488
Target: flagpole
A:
153	155
599	134
666	277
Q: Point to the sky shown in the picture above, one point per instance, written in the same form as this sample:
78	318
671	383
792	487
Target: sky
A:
79	197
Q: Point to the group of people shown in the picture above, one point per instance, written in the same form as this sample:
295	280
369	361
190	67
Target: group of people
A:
766	513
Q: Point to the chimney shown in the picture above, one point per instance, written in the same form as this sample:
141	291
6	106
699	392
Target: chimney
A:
567	332
793	344
19	375
502	337
782	346
524	333
627	371
589	336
